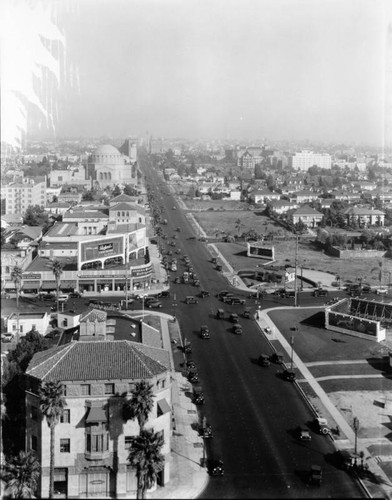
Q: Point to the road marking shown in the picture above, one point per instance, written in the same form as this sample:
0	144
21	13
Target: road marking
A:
335	377
344	362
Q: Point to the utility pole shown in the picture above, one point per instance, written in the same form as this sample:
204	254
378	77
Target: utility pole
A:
356	428
295	281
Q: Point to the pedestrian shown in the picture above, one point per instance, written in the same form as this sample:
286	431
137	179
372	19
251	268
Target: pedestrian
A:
337	431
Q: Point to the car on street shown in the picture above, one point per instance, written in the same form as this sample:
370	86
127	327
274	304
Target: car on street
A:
204	332
320	293
202	239
234	318
304	435
288	375
381	291
315	475
237	329
177	279
277	357
321	425
204	293
74	295
206	431
264	360
246	313
233	301
191	299
154	303
226	298
164	294
215	467
220	314
198	396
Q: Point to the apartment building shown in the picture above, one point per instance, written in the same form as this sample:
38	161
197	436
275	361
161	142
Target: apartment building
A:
92	438
306	159
19	196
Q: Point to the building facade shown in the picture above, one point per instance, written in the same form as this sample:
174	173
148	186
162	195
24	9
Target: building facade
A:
92	439
306	159
108	167
20	195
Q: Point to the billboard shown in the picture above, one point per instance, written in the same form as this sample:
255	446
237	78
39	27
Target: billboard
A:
136	240
260	251
102	248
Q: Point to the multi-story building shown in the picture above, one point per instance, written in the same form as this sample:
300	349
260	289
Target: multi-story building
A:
92	438
306	159
74	175
108	167
364	216
20	195
308	216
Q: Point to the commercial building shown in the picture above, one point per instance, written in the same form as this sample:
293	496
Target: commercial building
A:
306	159
92	438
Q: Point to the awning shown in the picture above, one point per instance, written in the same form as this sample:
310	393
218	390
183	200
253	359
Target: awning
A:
31	284
96	414
86	282
163	407
10	286
68	284
49	285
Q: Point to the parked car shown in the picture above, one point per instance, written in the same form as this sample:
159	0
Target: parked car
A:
204	293
164	294
381	291
277	357
177	279
320	293
227	297
206	432
74	295
264	360
321	425
198	396
304	435
202	239
288	375
154	303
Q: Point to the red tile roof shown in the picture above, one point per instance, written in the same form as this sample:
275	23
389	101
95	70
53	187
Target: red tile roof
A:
106	360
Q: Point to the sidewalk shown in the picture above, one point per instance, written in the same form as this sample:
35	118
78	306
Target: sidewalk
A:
383	486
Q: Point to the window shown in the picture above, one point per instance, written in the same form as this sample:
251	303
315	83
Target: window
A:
86	389
131	387
109	388
34	413
65	389
65	445
97	439
163	383
65	417
7	269
34	443
127	442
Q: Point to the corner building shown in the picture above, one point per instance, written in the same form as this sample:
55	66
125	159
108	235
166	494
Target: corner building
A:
92	439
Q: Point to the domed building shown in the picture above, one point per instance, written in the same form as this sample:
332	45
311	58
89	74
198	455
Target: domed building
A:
107	167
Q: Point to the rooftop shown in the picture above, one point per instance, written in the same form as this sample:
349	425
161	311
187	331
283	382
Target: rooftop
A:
106	360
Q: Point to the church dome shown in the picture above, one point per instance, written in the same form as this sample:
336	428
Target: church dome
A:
106	154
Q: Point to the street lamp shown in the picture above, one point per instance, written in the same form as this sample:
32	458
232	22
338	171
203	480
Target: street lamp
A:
142	296
356	428
174	307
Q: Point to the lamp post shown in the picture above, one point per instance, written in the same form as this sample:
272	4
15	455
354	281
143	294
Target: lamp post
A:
143	308
174	307
356	428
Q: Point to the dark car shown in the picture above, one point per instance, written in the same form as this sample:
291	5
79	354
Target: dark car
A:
177	279
315	475
202	239
193	377
191	300
204	332
246	313
227	298
198	396
288	375
222	294
215	467
320	293
237	329
234	318
277	357
235	301
74	295
204	293
164	294
154	303
264	360
220	314
46	296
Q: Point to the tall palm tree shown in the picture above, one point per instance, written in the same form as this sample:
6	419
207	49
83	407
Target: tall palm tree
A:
21	474
57	268
52	403
140	404
145	454
16	276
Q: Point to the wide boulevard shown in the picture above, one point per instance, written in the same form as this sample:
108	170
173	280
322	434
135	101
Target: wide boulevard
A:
254	414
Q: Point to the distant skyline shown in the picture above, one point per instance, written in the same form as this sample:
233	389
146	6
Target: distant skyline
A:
279	69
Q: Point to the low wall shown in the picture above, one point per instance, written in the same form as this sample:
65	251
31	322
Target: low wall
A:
356	254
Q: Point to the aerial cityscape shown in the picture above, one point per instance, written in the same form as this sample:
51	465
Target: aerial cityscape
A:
196	249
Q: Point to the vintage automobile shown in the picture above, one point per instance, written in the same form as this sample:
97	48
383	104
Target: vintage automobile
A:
204	332
315	475
264	360
215	467
304	435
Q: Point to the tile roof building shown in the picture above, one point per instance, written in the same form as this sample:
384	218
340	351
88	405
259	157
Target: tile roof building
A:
92	438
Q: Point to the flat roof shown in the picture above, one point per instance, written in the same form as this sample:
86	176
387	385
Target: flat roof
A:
44	264
63	229
31	315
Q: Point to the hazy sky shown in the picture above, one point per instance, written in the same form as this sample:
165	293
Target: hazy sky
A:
294	69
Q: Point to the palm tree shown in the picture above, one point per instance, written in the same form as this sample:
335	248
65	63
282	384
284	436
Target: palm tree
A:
52	403
17	276
145	454
21	474
140	404
57	268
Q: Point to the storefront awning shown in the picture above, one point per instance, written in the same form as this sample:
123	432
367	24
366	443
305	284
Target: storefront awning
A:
68	284
49	285
96	414
86	282
163	406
